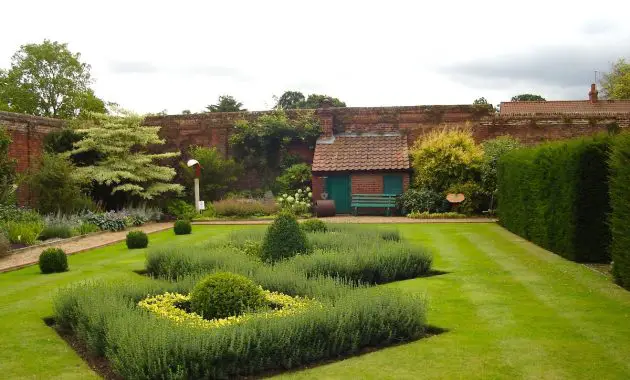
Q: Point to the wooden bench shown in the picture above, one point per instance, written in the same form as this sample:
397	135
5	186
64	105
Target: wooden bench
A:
386	201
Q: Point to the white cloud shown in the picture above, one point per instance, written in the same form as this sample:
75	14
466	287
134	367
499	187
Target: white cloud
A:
154	55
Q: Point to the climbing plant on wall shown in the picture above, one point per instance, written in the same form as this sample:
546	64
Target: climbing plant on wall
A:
260	144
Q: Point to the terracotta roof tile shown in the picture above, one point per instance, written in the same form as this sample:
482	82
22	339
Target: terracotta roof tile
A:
383	152
562	107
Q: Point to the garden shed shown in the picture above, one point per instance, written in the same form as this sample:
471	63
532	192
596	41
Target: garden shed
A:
359	163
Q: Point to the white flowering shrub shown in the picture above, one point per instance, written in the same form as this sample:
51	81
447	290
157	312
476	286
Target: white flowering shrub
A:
298	202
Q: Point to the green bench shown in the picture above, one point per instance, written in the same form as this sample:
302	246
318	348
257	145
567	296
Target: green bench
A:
386	201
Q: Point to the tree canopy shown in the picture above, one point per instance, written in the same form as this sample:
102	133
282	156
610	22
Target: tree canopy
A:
297	100
528	98
125	164
616	83
226	103
49	80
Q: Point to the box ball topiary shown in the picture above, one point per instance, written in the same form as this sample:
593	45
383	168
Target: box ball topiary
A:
182	227
53	260
314	225
284	239
137	239
225	294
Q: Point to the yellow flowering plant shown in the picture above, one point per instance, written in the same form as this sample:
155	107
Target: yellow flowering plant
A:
168	305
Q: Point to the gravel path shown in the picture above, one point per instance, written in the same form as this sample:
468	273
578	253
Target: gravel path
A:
30	256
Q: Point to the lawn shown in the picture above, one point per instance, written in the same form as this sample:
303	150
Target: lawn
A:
512	310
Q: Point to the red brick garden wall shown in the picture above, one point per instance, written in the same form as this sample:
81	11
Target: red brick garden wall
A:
27	135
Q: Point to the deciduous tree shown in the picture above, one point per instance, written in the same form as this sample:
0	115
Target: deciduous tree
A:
527	98
616	83
226	103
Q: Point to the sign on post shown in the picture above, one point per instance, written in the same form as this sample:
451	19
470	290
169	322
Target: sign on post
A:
202	205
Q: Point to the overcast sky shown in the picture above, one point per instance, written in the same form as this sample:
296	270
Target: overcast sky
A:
174	55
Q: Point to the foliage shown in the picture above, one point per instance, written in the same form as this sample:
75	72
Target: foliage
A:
260	144
296	100
87	228
445	157
616	83
389	234
56	188
226	103
18	214
218	174
169	305
298	203
57	230
225	294
182	227
422	200
137	239
108	221
181	209
7	168
294	177
23	232
244	208
492	152
556	195
5	245
126	164
47	79
313	225
284	239
480	101
620	214
528	98
53	260
441	215
106	318
63	141
476	199
137	216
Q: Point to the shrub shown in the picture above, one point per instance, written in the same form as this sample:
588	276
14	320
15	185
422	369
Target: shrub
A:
218	174
108	221
389	235
442	215
182	227
56	187
556	195
296	176
87	228
284	238
62	231
53	260
224	294
445	157
23	232
106	318
476	200
243	208
298	203
620	214
492	152
422	200
137	239
181	210
5	245
313	225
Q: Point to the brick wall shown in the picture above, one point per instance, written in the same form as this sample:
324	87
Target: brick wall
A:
367	183
27	135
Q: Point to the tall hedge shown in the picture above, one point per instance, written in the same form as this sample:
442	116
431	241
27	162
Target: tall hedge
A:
620	215
556	195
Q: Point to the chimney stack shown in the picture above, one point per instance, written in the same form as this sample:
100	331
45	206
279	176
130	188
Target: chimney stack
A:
326	118
592	95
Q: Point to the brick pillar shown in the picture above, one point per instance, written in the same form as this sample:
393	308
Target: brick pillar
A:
326	118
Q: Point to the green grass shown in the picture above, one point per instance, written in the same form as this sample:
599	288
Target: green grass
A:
513	310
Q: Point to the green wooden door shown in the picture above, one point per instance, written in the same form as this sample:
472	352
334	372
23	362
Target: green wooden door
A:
392	184
338	188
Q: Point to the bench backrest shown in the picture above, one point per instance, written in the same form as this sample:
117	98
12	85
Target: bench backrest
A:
374	200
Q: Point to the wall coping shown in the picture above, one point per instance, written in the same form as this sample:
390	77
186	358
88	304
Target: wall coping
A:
24	118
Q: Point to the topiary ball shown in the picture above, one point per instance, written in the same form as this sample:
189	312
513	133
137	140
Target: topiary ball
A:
182	227
53	260
314	225
284	239
137	239
225	294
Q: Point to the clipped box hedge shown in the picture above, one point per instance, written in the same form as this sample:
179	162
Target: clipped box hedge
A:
556	195
620	215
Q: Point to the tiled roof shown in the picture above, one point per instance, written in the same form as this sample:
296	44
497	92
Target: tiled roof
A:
361	152
561	107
